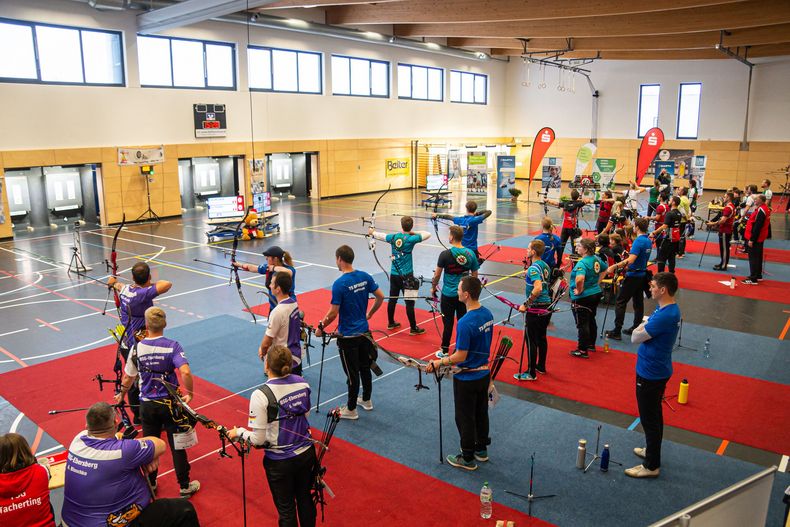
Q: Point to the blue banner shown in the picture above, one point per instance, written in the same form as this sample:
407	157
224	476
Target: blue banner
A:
506	175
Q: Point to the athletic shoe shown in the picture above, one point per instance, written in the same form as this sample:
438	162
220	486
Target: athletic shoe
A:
582	354
640	452
718	267
393	325
628	331
541	371
366	405
681	256
749	281
188	492
345	413
640	471
441	355
459	462
482	455
592	348
524	377
417	331
613	334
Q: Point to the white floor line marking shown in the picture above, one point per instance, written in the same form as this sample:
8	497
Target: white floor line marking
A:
93	313
47	451
34	357
204	456
40	277
12	332
16	422
29	257
783	464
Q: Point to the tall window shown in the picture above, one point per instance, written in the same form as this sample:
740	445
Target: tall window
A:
360	77
688	110
471	88
284	70
185	63
648	107
44	53
420	82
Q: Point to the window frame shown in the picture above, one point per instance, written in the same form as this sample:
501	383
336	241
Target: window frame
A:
370	77
234	66
474	76
39	80
427	82
699	109
271	68
639	109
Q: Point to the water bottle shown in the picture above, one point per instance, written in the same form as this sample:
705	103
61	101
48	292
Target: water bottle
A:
581	453
486	501
606	343
605	459
706	348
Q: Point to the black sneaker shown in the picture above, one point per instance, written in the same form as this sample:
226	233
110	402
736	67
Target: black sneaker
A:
582	354
612	334
393	325
718	267
629	331
417	331
749	281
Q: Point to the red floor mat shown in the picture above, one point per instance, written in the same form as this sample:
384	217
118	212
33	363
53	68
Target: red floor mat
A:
722	405
772	255
354	474
709	282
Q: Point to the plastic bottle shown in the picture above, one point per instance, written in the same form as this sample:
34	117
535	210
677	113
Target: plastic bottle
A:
581	453
732	282
486	501
606	344
683	392
605	459
706	348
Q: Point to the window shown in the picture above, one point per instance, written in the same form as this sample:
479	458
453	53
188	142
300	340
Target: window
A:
360	77
185	63
420	82
688	110
648	107
470	88
284	70
44	53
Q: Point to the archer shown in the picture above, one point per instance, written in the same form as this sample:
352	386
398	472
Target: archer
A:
277	261
469	223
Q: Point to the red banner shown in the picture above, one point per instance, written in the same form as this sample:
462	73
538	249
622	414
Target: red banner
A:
540	146
651	144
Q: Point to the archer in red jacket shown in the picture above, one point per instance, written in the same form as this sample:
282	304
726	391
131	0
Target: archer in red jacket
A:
758	229
24	486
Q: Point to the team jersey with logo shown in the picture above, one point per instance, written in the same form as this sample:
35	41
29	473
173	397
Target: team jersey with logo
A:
457	262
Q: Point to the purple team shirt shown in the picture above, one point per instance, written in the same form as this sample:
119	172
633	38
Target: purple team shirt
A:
103	480
135	300
157	359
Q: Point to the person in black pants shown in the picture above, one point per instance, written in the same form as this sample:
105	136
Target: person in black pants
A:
455	262
656	339
570	220
669	236
758	229
585	296
724	225
633	285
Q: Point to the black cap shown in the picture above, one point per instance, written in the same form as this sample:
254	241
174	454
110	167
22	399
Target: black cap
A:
274	252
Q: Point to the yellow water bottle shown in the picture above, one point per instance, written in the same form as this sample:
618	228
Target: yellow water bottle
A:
606	344
683	393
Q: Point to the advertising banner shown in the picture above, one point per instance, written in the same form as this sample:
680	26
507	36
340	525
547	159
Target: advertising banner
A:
541	144
477	172
454	164
583	157
551	180
141	156
697	172
396	167
664	171
651	143
506	176
603	173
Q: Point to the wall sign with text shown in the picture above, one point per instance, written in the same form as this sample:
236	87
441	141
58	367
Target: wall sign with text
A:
210	120
396	167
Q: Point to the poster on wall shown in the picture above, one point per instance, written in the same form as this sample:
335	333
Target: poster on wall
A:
506	176
676	163
664	171
477	172
454	164
257	175
210	120
603	172
141	156
697	172
396	167
551	180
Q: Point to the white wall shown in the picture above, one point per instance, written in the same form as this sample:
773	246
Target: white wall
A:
46	116
723	103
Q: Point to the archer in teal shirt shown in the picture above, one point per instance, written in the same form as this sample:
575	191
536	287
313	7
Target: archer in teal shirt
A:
539	270
590	267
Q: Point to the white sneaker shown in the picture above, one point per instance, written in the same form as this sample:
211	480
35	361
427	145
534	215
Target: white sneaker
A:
367	405
640	452
345	413
640	471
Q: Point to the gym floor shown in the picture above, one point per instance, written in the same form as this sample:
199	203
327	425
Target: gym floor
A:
47	313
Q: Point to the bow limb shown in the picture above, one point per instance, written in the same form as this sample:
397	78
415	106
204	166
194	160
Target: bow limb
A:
371	239
234	271
113	268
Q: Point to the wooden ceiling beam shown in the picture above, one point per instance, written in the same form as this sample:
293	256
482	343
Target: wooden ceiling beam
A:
765	50
285	4
454	11
751	13
702	40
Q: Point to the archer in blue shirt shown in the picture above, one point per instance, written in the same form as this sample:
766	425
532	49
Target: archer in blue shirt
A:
550	241
357	352
472	383
656	339
469	223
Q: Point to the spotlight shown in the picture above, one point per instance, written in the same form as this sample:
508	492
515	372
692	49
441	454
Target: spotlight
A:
254	17
392	39
482	56
92	3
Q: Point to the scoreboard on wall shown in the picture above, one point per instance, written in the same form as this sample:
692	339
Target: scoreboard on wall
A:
210	120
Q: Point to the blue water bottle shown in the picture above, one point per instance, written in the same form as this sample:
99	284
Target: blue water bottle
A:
605	459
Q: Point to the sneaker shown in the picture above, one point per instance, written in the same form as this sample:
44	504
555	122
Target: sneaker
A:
592	349
612	334
524	377
749	281
629	331
345	413
719	267
640	471
640	452
482	455
193	487
541	371
417	331
367	405
393	325
681	256
459	462
582	354
441	355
